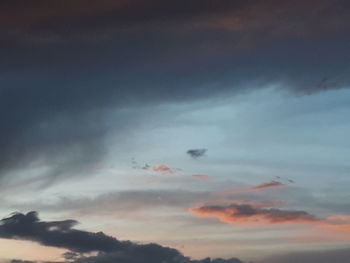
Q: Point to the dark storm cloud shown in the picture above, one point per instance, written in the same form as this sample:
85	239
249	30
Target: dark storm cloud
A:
66	63
61	234
196	153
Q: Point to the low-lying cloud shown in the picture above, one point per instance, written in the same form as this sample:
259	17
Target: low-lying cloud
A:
61	234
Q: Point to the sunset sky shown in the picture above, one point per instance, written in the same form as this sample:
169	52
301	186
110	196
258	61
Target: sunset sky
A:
173	131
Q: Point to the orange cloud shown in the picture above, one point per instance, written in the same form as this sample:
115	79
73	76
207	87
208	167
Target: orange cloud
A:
250	213
337	227
162	169
272	184
229	201
201	176
245	214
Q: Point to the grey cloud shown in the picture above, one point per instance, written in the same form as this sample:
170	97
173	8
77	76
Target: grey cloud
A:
196	153
56	233
62	234
118	257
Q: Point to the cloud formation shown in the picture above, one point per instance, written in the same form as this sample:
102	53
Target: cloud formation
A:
200	176
263	213
196	153
162	168
62	234
245	214
59	234
272	184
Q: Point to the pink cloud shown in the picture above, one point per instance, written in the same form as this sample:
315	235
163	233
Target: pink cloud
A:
201	176
162	168
272	184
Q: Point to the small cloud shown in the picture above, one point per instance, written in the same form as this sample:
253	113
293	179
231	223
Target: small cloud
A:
201	176
272	184
146	167
162	168
196	153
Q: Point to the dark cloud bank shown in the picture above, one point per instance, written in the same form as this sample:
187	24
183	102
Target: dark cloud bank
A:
65	64
61	234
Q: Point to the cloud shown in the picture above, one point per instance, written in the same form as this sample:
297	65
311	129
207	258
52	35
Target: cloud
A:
65	68
241	212
200	176
56	233
144	255
236	15
196	153
62	234
245	214
162	168
272	184
337	222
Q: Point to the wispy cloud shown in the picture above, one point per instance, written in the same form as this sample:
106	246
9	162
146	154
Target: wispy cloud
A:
272	184
201	176
162	168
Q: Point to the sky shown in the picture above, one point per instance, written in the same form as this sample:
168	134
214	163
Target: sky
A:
179	131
